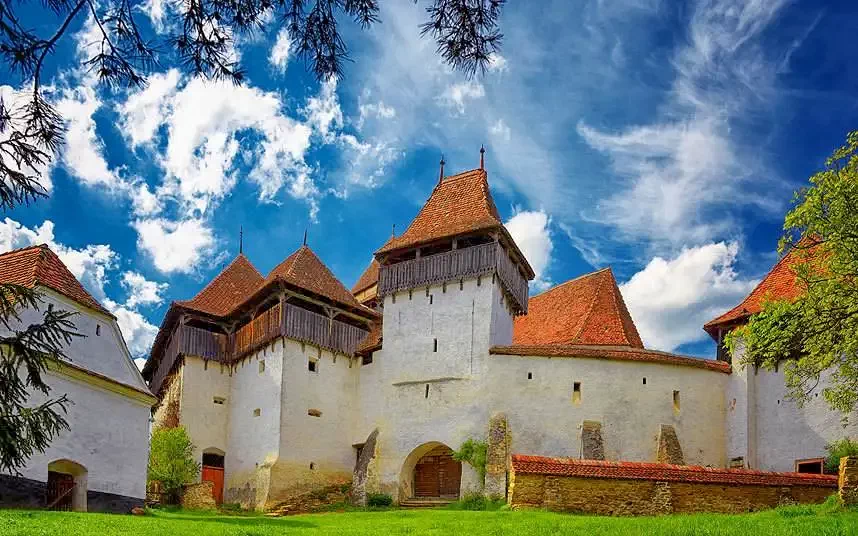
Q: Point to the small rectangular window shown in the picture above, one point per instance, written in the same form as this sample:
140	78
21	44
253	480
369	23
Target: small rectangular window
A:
529	375
219	400
314	413
812	466
427	391
366	359
311	366
257	412
261	366
431	298
576	392
434	345
98	330
676	401
644	380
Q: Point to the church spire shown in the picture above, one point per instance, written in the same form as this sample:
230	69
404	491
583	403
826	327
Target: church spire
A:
482	157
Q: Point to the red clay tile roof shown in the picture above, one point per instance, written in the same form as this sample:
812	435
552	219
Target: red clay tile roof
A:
540	465
586	310
368	278
38	265
617	353
372	341
779	284
459	204
230	288
305	270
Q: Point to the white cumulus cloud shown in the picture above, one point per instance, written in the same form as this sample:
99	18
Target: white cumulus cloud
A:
530	230
279	56
670	299
174	246
142	291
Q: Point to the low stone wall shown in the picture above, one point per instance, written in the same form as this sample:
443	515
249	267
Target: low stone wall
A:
631	488
199	496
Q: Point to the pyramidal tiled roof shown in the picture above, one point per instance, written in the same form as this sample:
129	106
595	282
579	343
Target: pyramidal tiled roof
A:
586	310
368	278
779	284
230	288
459	204
305	270
39	265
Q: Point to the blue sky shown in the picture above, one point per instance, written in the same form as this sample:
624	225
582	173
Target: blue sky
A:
662	139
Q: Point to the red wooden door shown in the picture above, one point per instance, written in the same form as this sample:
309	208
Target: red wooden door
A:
215	476
59	491
437	474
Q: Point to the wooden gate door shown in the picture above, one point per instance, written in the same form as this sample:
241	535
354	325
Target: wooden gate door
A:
59	492
215	476
437	474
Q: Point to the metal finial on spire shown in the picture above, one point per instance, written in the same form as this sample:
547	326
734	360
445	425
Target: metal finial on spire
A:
482	157
393	232
305	236
441	175
241	240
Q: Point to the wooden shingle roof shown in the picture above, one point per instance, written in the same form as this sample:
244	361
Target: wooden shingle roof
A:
39	265
586	310
228	289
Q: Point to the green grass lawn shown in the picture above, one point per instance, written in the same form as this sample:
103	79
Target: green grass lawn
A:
787	521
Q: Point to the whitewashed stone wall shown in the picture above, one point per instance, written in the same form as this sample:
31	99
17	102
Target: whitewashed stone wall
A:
206	422
783	432
108	435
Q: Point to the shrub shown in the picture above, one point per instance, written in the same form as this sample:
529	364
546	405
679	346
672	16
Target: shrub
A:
476	502
171	461
474	454
837	450
379	499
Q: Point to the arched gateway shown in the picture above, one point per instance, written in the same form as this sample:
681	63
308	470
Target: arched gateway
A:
430	472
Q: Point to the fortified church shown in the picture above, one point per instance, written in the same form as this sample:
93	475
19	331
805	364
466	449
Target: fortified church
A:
288	382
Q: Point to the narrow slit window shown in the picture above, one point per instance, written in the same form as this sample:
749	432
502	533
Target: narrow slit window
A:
434	345
576	392
676	401
529	375
644	380
431	298
261	366
311	366
427	391
98	330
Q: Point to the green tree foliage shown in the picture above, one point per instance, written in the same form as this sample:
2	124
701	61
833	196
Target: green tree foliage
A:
839	449
817	332
171	461
474	454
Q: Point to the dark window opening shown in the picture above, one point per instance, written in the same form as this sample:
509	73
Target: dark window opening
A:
311	366
212	460
676	401
314	413
813	466
431	297
644	381
434	345
576	392
312	466
427	391
529	375
98	330
366	359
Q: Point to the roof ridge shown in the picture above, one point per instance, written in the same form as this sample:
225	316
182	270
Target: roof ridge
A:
586	316
25	248
462	175
622	312
223	271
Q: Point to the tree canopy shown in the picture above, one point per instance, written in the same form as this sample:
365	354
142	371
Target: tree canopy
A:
815	336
